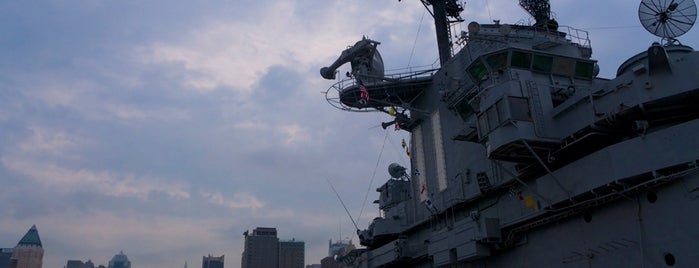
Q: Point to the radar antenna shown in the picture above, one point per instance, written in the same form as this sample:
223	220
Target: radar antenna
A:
541	11
667	19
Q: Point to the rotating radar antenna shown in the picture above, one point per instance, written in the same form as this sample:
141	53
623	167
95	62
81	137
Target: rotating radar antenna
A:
667	18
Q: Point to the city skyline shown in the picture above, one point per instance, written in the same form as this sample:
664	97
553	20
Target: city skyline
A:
289	253
168	128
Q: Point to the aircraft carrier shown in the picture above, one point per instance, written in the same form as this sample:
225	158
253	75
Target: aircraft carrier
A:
521	156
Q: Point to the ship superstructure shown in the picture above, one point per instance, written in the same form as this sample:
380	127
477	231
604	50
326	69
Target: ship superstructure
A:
522	157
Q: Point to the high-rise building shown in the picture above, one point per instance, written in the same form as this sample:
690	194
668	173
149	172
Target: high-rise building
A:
212	262
261	248
119	261
5	255
337	248
291	254
80	264
28	253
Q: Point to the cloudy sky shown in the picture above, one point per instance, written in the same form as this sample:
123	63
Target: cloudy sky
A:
167	128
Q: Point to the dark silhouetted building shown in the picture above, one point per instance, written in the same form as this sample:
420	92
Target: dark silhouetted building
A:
119	261
292	254
5	255
80	264
28	253
212	262
261	249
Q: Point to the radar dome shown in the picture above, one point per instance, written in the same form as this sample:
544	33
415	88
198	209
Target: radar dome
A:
396	170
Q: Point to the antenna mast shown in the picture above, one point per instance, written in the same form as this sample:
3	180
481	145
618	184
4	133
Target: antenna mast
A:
343	204
541	11
442	11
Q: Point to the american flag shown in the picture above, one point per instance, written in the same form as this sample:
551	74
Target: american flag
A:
363	92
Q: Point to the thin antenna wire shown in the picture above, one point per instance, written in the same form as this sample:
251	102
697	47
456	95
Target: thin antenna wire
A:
610	28
487	6
366	196
343	203
419	26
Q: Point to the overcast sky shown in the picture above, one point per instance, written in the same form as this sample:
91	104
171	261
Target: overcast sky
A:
166	129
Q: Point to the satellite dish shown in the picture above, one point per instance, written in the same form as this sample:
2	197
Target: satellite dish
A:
505	29
667	19
474	27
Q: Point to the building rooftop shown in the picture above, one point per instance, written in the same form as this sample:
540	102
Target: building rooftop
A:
31	238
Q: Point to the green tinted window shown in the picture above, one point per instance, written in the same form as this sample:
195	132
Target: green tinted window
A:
521	59
542	63
464	109
497	61
584	69
477	70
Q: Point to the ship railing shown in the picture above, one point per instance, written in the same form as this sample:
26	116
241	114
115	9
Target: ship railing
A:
392	76
574	35
411	72
577	36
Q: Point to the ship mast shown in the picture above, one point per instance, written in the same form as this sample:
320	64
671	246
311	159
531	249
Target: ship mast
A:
541	11
442	11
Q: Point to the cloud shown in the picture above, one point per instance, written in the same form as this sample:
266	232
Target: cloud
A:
238	201
167	128
48	141
64	180
236	53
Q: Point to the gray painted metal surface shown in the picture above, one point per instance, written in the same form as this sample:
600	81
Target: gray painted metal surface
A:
523	157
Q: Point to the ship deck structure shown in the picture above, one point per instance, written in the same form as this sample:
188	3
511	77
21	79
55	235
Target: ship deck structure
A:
521	156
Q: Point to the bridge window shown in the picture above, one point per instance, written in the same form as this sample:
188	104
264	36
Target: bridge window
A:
478	71
563	66
584	69
521	59
497	61
542	63
464	109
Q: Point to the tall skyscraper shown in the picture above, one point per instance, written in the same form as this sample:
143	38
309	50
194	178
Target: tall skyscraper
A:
28	253
261	248
292	254
120	261
212	262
